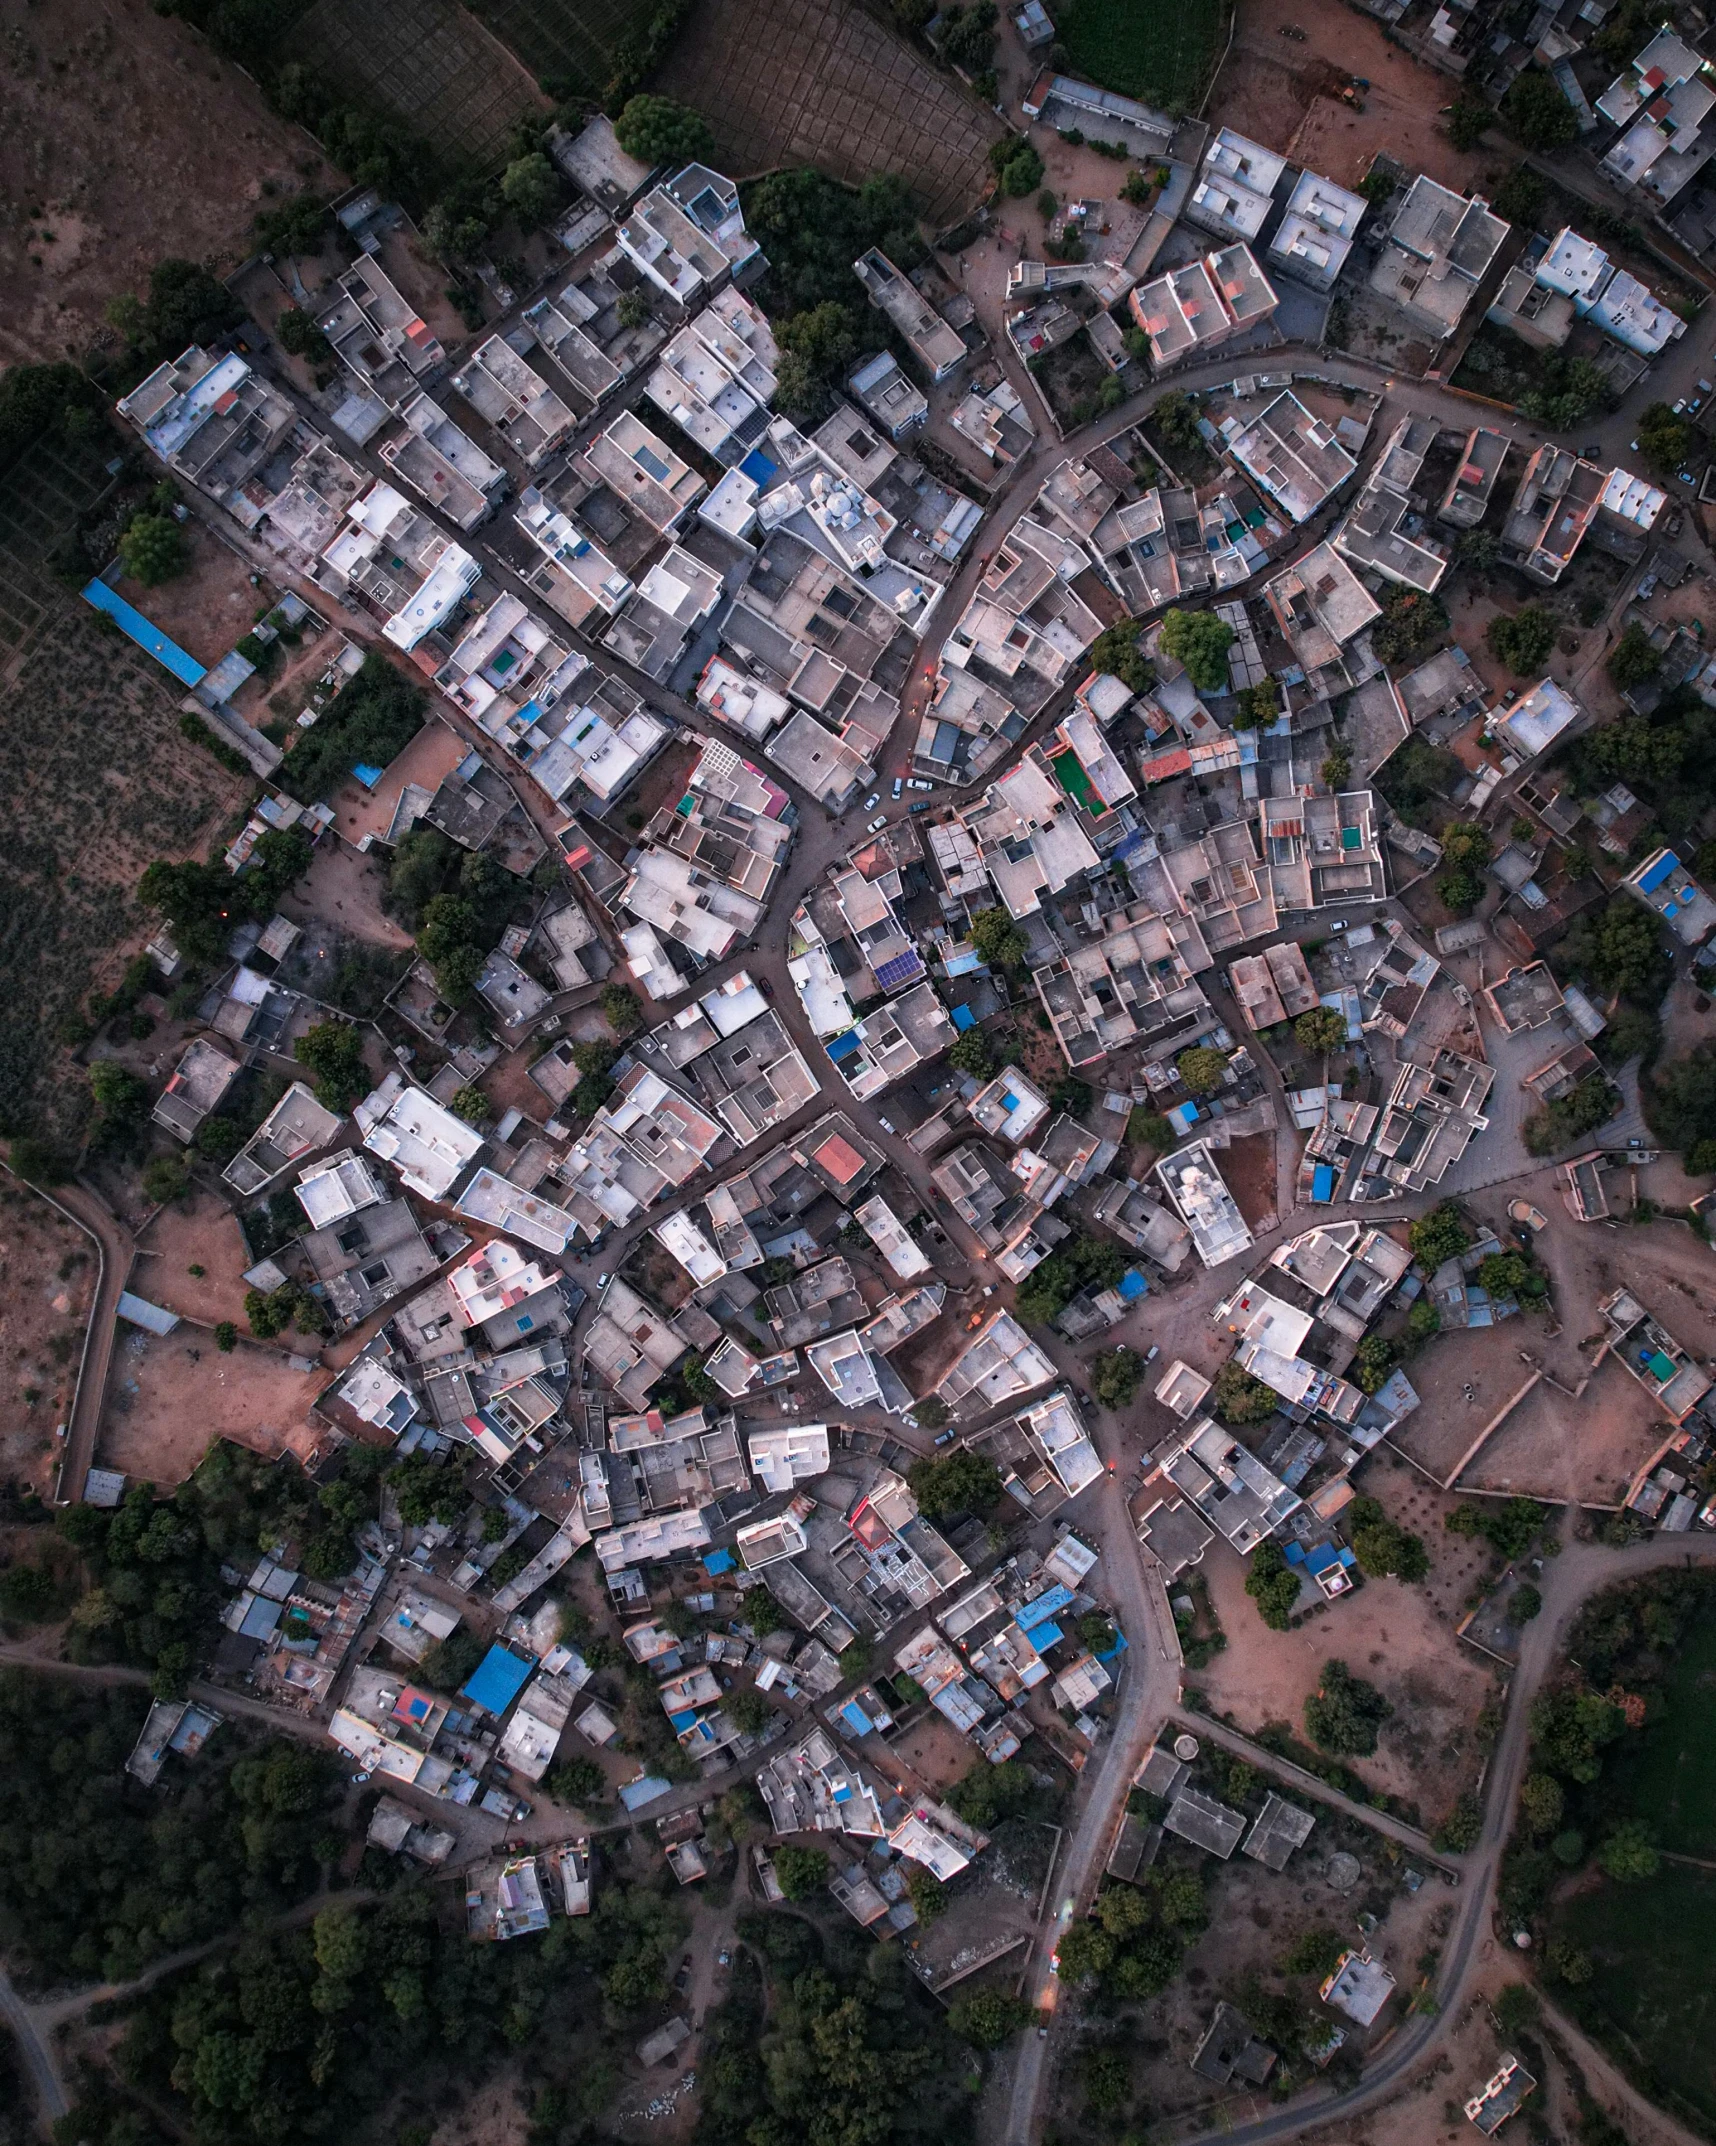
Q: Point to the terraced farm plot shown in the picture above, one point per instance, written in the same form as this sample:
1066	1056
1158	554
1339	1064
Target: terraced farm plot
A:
95	782
42	498
787	82
571	42
429	64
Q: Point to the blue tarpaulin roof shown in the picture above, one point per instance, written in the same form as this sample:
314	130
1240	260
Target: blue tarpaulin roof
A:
1322	1183
1132	1285
963	1018
840	1047
1044	1633
718	1561
186	669
644	1789
1668	862
497	1681
1044	1605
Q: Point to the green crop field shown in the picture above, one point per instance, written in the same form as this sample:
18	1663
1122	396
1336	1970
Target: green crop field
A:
1651	1995
569	45
1668	1772
1162	51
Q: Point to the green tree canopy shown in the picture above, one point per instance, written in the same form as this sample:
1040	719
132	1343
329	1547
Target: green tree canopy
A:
656	130
1241	1399
1522	639
1115	650
1114	1376
955	1482
1202	1068
532	188
998	940
1324	1028
1272	1584
333	1053
1440	1235
154	549
1632	659
1344	1713
1538	113
1384	1548
1200	641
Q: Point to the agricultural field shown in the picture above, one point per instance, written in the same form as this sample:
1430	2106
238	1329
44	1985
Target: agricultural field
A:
786	82
1163	55
428	63
42	499
569	43
96	783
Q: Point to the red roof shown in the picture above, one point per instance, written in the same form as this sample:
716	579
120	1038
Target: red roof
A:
839	1158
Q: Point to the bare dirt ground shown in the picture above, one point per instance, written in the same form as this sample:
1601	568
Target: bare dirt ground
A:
1279	91
199	1232
47	1276
170	1397
1586	1450
209	608
122	140
934	1750
1248	1165
431	756
1389	1634
343	889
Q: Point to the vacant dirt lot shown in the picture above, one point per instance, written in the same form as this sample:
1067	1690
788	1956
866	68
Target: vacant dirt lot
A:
1389	1634
47	1274
170	1397
1586	1451
209	608
822	82
199	1232
1280	91
1248	1165
122	140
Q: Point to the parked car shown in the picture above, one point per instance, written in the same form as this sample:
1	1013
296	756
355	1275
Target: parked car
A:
878	823
872	801
898	785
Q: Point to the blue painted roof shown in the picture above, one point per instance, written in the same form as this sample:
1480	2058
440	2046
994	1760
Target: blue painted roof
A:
1043	1605
964	1018
1653	878
718	1561
856	1719
1045	1633
497	1680
1132	1285
1323	1183
758	467
185	668
843	1046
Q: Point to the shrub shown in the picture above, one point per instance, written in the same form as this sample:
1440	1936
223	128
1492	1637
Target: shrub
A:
1628	1854
226	1337
470	1103
1462	1828
989	2017
300	337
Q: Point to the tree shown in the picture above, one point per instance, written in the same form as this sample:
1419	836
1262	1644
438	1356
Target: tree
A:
1573	388
818	347
1316	1951
1520	197
1202	1068
1510	1527
989	2017
1148	1129
470	1103
121	1107
1620	949
1517	2009
656	130
1438	1236
1107	2080
1344	1713
1256	707
154	549
1522	639
1632	659
1538	113
1114	1376
1628	1854
931	1412
1240	1398
226	1337
299	336
532	189
165	1179
1542	1800
186	304
749	1711
1084	1951
1463	1827
1383	1548
1115	651
1273	1585
957	1482
1410	623
333	1053
1666	440
1022	173
1477	550
1200	641
1468	122
970	1054
800	1871
1096	1632
621	1010
998	940
1570	1730
1336	769
1322	1029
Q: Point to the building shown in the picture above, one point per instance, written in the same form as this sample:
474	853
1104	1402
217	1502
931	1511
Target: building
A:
1626	309
1273	986
1440	246
1653	1356
1663	106
1555	504
891	400
443	464
1359	1987
377	335
1317	231
297	1126
1387	529
1536	721
1432	1115
1191	1180
515	399
716	378
687	237
650	481
1295	457
1189	311
1321	852
428	1145
1235	187
1503	2094
212	420
937	347
998	1363
1472	486
195	1087
1321	607
1664	884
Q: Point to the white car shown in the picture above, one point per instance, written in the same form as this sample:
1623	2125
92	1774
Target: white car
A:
898	785
876	825
883	1123
917	783
872	801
